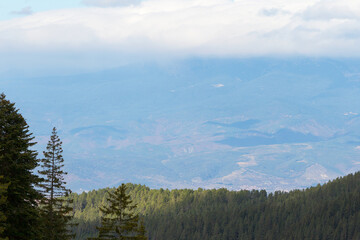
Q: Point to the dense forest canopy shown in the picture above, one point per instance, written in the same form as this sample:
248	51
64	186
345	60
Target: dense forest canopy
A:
330	211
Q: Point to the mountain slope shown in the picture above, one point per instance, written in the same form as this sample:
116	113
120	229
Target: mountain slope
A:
330	211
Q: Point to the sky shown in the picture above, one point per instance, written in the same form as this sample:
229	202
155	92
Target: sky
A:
20	8
100	34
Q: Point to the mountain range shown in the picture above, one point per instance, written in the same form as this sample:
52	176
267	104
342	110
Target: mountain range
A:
258	123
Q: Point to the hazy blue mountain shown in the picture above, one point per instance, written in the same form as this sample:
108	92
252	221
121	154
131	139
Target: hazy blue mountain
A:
249	123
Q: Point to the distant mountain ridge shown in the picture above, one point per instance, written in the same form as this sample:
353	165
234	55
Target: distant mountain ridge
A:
264	123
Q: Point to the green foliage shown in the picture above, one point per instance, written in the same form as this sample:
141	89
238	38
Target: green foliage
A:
331	211
3	190
17	162
118	220
55	209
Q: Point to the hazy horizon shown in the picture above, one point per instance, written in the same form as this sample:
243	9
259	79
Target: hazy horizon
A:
189	93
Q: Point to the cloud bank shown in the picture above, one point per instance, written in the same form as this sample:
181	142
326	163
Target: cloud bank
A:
110	3
183	28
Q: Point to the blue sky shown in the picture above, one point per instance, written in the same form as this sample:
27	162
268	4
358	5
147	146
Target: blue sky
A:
19	8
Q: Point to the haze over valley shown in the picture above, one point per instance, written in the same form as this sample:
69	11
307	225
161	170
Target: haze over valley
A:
259	123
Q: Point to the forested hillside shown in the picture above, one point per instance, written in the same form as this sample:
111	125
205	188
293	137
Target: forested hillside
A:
330	211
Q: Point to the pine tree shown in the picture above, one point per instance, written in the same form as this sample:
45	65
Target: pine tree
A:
3	190
55	209
17	162
119	220
141	231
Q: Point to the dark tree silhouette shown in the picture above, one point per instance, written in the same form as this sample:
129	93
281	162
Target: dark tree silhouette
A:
119	220
55	209
17	162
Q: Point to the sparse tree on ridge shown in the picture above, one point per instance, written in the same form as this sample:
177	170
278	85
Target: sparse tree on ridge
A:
17	162
55	209
119	220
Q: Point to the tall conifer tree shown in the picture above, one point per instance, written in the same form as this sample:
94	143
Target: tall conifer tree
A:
56	210
3	190
119	220
17	162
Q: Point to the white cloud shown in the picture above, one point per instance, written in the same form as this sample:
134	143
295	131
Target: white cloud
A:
182	28
272	12
328	10
110	3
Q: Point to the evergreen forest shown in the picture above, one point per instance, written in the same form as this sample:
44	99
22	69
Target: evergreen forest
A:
330	211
